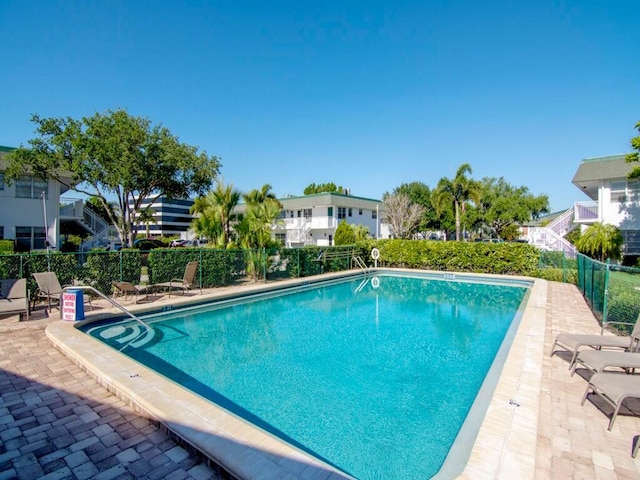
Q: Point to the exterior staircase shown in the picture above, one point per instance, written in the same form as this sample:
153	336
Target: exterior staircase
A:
551	237
97	227
298	232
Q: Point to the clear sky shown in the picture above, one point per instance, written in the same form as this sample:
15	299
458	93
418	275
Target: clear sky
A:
367	94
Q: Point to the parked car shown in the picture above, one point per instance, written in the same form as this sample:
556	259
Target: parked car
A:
147	244
178	243
202	242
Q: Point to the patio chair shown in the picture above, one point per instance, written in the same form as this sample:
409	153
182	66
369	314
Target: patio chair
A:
614	388
185	283
49	289
14	297
573	342
128	289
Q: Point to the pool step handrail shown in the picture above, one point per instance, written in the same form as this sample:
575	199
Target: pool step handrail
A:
363	284
359	262
110	300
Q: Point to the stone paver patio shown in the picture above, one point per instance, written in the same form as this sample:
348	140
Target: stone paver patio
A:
57	422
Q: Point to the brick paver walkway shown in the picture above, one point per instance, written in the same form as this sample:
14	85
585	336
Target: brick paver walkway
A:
56	422
573	441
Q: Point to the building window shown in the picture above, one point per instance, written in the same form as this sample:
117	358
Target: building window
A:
631	245
307	213
351	212
374	214
1	180
281	237
28	186
342	212
329	211
359	211
30	238
1	232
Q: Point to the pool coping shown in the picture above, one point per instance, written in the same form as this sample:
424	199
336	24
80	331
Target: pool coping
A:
504	447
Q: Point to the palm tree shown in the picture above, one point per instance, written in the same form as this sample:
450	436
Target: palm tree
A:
255	196
456	192
216	208
254	231
146	216
601	241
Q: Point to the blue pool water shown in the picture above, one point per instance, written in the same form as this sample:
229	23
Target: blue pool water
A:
375	377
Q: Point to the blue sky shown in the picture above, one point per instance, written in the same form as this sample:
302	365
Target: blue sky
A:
367	94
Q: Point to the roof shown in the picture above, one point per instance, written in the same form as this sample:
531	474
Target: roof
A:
328	199
592	172
601	168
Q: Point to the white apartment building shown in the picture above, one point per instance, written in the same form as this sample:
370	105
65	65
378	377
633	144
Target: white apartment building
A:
313	219
29	212
614	199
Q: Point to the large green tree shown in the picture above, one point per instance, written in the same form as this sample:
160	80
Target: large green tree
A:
633	157
115	155
502	205
322	188
456	192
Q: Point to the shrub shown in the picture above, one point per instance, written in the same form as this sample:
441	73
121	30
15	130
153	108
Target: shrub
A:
6	246
476	257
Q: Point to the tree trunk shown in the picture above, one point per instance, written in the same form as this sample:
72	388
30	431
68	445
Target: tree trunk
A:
457	221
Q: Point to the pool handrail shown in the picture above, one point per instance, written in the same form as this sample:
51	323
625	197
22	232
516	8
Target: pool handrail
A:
110	300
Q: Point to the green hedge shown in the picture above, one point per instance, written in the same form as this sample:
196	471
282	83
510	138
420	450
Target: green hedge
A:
480	257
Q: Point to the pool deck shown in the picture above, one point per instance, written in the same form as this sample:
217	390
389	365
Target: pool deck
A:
56	421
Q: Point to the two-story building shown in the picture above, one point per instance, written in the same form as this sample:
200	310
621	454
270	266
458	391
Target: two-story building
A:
313	219
30	209
614	198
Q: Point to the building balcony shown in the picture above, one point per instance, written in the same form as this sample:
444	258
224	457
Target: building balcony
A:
586	212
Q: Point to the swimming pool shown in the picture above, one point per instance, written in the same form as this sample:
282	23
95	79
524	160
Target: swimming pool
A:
375	345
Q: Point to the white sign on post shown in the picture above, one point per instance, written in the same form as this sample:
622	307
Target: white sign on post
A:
69	306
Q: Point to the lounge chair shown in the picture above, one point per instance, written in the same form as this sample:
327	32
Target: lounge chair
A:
14	297
185	283
128	289
49	289
572	342
614	388
599	360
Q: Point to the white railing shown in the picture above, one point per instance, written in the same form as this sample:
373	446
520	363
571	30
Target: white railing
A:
562	223
547	239
72	210
313	222
586	212
98	226
79	211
